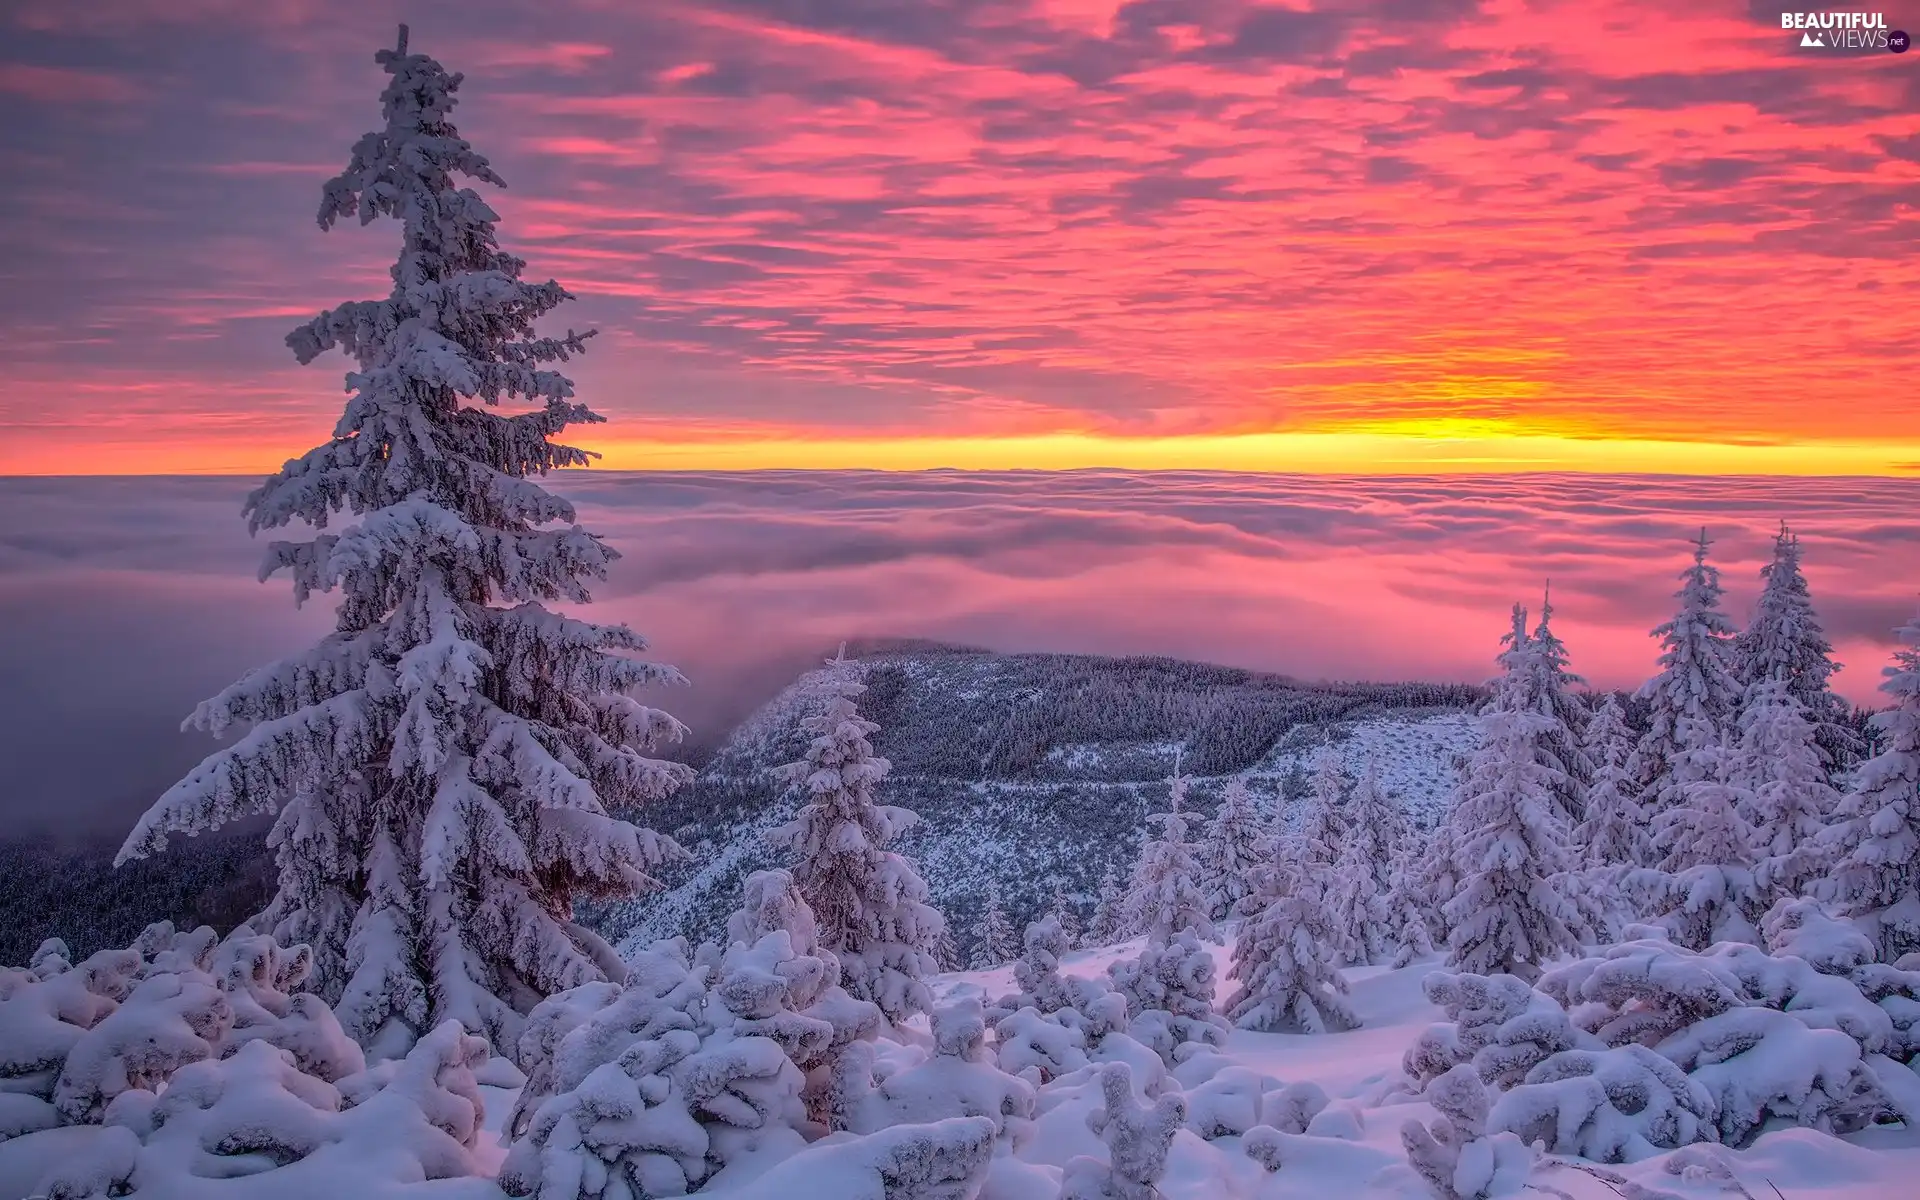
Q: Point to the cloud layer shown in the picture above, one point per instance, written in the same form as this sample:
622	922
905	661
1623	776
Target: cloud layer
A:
126	601
959	218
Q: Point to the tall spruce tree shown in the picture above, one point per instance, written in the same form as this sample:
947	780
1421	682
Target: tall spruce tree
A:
1510	914
1693	699
445	762
1550	691
1785	643
1875	838
1323	823
870	903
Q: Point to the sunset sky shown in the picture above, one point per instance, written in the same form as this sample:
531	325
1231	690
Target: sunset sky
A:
1412	235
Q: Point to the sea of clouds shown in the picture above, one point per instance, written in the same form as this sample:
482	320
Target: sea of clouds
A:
125	601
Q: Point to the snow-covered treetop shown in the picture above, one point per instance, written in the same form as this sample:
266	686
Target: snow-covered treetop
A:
458	323
1694	679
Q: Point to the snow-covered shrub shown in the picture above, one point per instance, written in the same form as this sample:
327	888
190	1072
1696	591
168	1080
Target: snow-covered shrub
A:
167	1022
1138	1137
1030	1045
258	976
1616	1105
960	1079
1232	1101
1759	1062
1799	927
1456	1154
256	1116
1501	1027
1169	991
653	1086
944	1160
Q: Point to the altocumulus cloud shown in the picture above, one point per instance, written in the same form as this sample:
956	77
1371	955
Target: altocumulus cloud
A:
128	600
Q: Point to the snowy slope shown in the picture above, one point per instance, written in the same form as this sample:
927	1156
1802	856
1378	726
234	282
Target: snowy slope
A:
1027	769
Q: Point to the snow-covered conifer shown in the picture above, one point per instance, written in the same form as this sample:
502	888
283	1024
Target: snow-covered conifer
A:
1235	844
1108	922
1066	913
1409	910
1164	898
1706	850
1138	1137
445	762
1550	692
1510	915
1693	699
1614	832
996	935
1286	958
1784	642
1779	769
1324	823
1875	837
869	903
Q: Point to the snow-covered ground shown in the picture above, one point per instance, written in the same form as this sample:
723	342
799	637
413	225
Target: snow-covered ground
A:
1353	1148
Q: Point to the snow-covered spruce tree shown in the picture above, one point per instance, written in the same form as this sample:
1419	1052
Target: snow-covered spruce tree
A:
1779	768
1164	899
444	763
1357	905
1286	957
1108	922
1614	832
1510	915
1550	692
869	903
1410	920
1784	642
996	944
1705	891
1875	838
1066	912
1323	825
1235	843
1693	699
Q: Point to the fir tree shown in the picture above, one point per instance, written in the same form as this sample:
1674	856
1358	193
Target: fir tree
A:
1066	913
1784	643
1235	845
1693	699
1108	923
996	944
1510	916
1614	833
1875	838
1781	770
444	763
1286	958
1324	824
1550	692
1706	851
869	902
1362	872
1164	899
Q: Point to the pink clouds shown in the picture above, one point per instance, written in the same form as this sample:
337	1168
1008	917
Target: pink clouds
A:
1027	216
